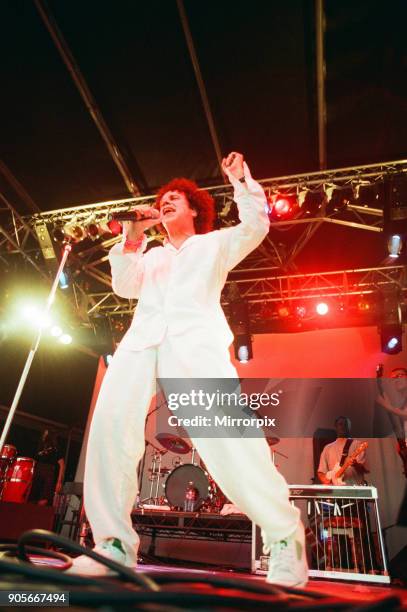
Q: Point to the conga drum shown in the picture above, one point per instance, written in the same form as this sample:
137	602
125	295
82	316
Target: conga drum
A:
7	456
18	480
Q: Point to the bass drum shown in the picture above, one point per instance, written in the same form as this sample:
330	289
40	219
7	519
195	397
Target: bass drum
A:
178	481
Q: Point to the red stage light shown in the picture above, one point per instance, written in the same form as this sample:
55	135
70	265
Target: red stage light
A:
115	227
363	306
283	311
322	308
282	206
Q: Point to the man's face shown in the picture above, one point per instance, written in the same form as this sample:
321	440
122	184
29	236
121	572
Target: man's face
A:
342	427
400	379
175	209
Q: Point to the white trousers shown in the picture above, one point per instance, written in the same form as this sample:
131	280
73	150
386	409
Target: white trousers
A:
241	467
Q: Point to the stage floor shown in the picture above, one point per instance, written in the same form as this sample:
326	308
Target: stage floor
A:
329	589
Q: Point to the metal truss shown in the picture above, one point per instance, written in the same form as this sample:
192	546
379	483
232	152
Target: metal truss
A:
193	526
259	276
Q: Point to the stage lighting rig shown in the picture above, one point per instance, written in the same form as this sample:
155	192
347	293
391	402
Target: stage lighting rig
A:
240	323
395	213
390	327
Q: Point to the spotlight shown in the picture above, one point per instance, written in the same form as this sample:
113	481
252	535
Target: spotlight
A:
391	322
394	245
301	311
35	317
65	339
56	331
243	353
240	324
322	308
282	206
92	229
339	198
391	339
395	213
63	281
58	233
363	305
283	311
75	231
111	226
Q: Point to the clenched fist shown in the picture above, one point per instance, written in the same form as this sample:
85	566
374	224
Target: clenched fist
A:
233	164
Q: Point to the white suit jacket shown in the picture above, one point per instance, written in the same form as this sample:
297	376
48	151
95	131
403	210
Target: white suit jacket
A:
179	290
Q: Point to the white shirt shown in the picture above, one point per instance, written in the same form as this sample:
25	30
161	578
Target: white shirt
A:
331	455
179	290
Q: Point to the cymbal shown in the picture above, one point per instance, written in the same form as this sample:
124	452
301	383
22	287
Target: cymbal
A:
173	443
272	441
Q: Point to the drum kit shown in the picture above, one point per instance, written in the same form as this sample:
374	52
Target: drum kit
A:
16	475
187	486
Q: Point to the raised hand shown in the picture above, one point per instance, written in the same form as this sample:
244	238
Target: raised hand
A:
233	164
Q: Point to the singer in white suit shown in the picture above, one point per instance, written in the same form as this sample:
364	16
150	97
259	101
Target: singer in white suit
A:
179	331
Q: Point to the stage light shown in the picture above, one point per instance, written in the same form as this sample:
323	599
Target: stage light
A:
240	324
301	311
56	331
92	229
322	308
391	339
107	358
394	245
65	339
63	281
283	311
363	305
243	354
74	230
282	206
391	321
35	317
58	233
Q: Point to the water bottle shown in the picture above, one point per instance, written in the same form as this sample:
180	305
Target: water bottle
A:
191	497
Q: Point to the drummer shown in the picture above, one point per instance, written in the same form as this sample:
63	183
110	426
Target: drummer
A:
49	470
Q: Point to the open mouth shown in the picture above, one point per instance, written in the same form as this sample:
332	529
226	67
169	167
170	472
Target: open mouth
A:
167	209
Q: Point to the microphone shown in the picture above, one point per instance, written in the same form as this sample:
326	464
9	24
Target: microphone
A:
135	215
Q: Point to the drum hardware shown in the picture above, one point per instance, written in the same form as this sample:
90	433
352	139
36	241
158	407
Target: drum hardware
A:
173	443
273	455
156	472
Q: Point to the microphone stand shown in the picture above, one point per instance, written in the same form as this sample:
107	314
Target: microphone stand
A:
34	347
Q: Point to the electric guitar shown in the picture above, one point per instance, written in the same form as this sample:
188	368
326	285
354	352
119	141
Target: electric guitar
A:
335	475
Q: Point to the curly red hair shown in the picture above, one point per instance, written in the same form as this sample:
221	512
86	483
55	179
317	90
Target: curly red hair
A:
198	199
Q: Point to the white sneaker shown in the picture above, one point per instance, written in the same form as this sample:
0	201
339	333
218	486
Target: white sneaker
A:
111	549
288	560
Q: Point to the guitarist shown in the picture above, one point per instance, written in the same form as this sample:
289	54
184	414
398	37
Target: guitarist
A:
335	454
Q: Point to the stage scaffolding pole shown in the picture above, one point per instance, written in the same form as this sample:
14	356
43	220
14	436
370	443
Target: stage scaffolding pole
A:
34	347
321	70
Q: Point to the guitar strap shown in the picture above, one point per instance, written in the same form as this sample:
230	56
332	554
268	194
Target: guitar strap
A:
345	451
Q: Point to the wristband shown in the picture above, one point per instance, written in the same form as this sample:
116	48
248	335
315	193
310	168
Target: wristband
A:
133	245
